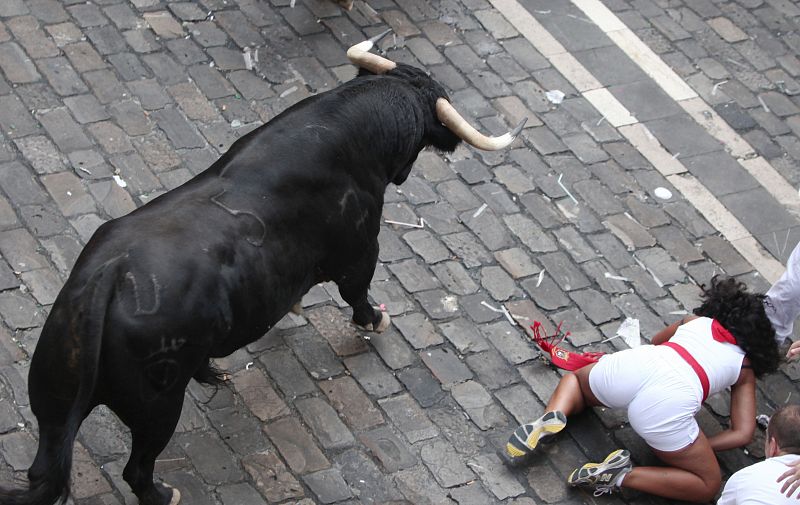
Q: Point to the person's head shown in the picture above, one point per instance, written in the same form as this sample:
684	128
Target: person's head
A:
783	432
742	314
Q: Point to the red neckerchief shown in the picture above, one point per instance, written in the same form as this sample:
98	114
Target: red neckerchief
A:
720	334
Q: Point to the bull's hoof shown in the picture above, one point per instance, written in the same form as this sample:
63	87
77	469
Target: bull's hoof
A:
380	326
297	309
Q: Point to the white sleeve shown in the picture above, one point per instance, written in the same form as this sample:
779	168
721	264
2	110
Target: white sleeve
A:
730	493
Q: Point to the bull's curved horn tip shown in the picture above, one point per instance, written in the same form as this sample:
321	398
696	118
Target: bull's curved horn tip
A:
368	44
379	36
517	129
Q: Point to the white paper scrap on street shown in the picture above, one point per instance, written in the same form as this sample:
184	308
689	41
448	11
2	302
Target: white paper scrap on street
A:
629	331
556	96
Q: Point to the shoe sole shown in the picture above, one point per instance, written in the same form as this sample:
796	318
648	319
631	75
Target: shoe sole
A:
586	474
549	424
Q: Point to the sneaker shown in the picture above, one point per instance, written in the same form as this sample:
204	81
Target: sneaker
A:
525	438
603	477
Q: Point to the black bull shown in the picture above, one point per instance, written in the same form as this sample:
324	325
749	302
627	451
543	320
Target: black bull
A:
210	266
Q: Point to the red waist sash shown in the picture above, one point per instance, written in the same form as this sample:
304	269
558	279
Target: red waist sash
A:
701	374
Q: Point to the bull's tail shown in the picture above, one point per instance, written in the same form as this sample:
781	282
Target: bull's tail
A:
53	485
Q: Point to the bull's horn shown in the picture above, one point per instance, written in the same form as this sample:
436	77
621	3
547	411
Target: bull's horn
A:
361	57
450	117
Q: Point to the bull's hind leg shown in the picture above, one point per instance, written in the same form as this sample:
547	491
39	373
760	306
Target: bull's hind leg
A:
151	428
353	286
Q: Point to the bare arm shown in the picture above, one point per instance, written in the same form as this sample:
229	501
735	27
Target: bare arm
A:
794	351
743	414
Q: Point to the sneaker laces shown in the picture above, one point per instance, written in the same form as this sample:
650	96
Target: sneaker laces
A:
601	490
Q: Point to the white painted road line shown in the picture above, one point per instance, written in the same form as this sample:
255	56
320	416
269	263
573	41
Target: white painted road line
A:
638	134
691	102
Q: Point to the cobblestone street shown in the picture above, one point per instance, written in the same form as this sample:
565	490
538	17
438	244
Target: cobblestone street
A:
673	156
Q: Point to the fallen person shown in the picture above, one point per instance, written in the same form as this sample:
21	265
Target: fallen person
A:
728	342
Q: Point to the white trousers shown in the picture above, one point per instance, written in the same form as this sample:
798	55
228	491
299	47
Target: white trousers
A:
783	298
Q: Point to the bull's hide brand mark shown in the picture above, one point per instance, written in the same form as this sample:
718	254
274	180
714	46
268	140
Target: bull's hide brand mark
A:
210	266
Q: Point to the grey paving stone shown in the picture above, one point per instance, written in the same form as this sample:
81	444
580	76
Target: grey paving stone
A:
723	254
20	250
440	217
643	282
464	336
491	369
681	135
496	477
445	464
594	305
312	350
673	240
499	284
393	349
445	366
546	294
530	234
646	100
272	479
467	248
689	219
365	479
283	367
464	58
391	248
240	493
20	184
475	306
392	296
427	246
521	403
472	171
488	229
496	198
328	485
418	330
514	180
15	120
543	140
508	341
478	404
239	429
296	446
631	233
582	332
257	393
647	214
389	449
757	210
563	272
334	327
720	172
422	386
409	418
40	152
324	423
356	408
210	458
373	376
516	262
413	276
115	201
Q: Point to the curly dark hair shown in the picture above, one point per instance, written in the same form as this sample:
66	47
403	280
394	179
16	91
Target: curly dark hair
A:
742	314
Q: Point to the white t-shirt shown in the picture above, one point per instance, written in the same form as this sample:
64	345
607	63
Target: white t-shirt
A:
756	484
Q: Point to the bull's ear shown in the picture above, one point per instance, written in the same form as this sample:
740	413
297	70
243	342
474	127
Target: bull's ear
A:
442	138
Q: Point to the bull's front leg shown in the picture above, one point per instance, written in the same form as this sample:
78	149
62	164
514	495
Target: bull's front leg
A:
353	286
